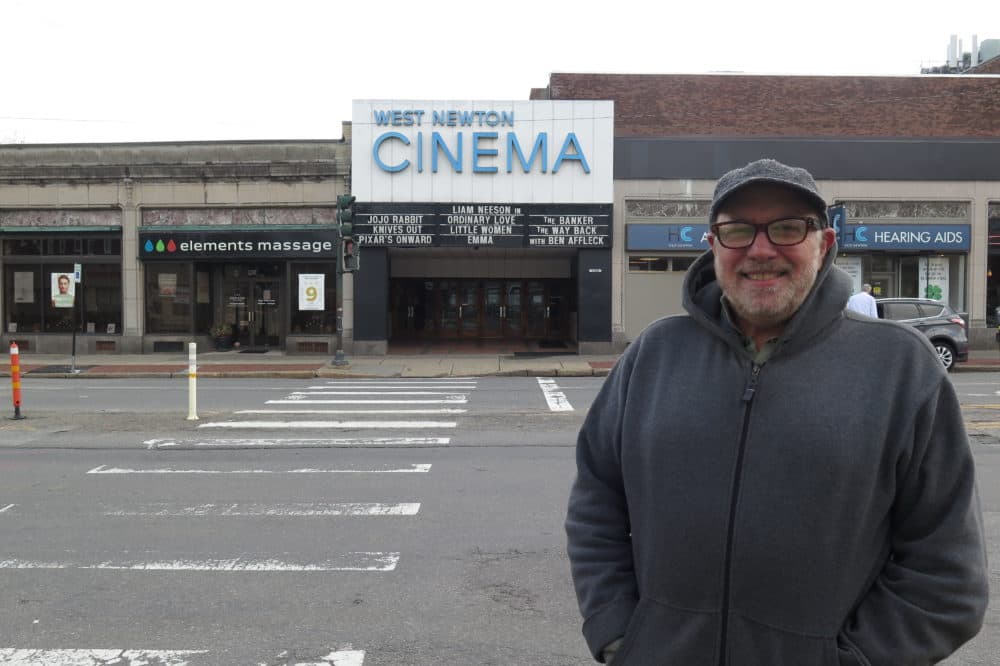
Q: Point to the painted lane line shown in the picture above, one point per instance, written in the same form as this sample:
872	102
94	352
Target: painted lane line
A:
9	506
294	510
366	561
450	400
346	442
442	410
119	657
340	658
394	393
330	424
392	386
555	398
419	468
32	657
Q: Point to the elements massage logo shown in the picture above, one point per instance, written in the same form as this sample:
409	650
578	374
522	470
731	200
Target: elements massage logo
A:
170	246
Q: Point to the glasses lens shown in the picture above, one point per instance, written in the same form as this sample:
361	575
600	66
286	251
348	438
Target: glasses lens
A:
787	232
735	234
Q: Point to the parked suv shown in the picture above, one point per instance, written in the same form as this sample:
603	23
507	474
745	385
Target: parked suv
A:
940	323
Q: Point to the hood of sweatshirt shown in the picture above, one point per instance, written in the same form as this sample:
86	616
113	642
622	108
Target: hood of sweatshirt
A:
823	306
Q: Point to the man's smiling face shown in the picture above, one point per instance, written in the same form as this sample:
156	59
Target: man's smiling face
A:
766	283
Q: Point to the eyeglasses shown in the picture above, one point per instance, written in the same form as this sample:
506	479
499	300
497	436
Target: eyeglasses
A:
787	231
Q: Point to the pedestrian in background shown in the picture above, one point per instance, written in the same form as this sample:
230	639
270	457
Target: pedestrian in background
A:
863	302
725	509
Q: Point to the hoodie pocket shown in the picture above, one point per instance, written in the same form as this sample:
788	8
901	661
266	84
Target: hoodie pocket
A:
760	644
666	636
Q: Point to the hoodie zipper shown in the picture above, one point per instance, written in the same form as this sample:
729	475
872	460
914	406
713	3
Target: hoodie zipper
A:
748	394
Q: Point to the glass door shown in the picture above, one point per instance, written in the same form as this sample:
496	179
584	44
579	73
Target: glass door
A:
468	310
265	317
493	310
251	306
513	313
547	311
537	310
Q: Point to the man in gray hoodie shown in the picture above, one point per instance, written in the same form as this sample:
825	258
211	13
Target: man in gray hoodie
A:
750	492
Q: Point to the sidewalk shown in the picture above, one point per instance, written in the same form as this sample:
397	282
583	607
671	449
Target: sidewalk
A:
279	364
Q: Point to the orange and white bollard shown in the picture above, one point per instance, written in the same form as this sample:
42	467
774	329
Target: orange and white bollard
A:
15	379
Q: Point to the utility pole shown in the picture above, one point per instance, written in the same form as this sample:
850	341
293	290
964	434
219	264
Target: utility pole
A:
345	263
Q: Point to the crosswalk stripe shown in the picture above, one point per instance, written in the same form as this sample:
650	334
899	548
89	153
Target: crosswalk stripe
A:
120	657
59	657
442	410
555	398
9	506
299	509
470	387
271	443
361	561
419	468
373	393
329	424
450	400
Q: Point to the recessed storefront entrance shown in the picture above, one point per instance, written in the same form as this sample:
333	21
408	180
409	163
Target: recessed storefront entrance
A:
251	304
463	309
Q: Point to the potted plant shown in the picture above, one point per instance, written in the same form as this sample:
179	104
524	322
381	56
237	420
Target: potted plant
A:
222	335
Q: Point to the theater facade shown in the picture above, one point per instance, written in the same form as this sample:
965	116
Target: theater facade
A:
483	222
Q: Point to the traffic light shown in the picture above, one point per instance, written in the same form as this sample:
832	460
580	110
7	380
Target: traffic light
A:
352	255
345	215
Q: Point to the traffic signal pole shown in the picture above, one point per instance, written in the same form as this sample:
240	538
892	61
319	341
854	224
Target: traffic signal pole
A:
339	358
345	233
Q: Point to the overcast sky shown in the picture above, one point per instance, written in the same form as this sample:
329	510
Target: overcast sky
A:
149	70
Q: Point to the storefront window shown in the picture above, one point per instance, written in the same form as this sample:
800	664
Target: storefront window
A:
640	264
169	292
41	295
305	291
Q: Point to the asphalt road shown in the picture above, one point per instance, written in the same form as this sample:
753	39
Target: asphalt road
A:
126	526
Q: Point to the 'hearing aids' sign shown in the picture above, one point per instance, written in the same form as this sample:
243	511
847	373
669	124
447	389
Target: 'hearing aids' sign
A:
938	237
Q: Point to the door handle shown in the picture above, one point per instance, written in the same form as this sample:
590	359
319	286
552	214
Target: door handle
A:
546	311
503	312
459	311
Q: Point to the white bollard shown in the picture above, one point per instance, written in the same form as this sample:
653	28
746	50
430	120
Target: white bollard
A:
192	381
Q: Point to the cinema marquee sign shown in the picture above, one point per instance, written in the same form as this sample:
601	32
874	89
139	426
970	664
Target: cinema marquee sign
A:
172	245
487	152
483	225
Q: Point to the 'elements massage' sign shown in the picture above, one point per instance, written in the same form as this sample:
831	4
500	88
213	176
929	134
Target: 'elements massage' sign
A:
483	225
169	244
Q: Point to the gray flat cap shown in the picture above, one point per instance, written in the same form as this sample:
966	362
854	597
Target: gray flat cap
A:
768	171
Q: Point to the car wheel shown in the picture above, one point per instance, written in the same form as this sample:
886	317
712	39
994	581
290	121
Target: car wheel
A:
946	353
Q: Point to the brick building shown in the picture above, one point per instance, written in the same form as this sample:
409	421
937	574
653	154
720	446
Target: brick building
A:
913	159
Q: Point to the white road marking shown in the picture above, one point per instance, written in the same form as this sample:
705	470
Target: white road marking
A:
294	443
297	510
363	561
9	506
419	468
373	393
392	386
442	410
340	658
33	657
119	657
555	398
330	424
449	400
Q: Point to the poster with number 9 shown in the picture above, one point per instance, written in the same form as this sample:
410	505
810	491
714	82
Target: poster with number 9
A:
312	291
